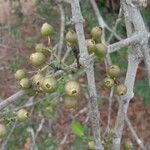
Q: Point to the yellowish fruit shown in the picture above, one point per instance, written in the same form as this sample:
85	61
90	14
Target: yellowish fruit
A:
37	79
91	45
25	83
114	71
37	59
22	115
49	84
121	89
71	37
20	74
108	82
72	88
96	32
47	29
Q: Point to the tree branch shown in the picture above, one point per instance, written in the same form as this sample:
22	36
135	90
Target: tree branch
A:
11	99
62	29
87	63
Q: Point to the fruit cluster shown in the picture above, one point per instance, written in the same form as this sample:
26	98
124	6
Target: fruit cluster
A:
113	72
99	49
42	82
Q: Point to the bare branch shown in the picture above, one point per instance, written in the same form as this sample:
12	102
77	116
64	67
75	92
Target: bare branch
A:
134	59
62	29
87	62
12	99
134	39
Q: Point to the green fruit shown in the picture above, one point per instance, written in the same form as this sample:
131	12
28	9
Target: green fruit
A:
3	131
71	37
91	46
40	48
20	74
72	88
91	145
70	102
49	84
108	82
37	79
25	83
114	71
37	59
101	50
96	32
22	115
121	89
47	29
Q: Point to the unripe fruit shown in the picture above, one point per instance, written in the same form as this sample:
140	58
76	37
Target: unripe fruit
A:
96	32
49	84
71	37
101	50
108	82
72	88
91	46
22	115
40	48
47	29
3	131
91	145
121	89
114	71
37	79
20	74
70	102
37	58
25	83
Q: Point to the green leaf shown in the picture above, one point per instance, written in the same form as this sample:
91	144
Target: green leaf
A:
77	129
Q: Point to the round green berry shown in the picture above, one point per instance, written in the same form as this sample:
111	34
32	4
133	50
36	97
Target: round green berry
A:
47	29
49	84
25	83
22	115
96	32
20	74
71	38
37	59
121	89
114	71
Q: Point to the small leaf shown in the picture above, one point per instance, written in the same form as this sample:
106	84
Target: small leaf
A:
77	129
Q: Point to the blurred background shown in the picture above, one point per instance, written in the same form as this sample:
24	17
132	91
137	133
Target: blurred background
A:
20	23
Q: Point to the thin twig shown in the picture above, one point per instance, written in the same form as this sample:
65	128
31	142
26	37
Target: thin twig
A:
134	134
116	25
